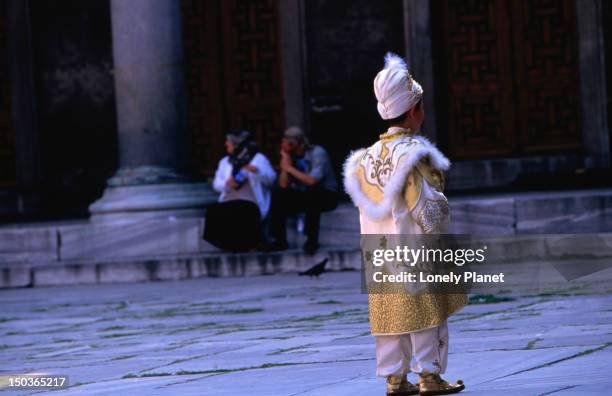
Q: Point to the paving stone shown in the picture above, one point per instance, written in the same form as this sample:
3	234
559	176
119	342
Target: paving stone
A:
286	335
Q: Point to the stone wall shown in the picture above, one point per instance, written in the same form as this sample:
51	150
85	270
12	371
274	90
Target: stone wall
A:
75	103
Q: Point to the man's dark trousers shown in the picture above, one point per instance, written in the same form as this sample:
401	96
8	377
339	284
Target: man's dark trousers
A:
312	202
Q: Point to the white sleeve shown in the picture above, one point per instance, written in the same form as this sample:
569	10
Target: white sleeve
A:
266	173
222	175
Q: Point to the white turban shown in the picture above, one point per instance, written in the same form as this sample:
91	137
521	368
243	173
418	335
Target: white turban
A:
395	89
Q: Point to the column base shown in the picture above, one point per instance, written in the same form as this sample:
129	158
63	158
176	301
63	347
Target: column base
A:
130	203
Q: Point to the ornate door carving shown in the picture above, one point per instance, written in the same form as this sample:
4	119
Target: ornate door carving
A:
509	82
548	87
475	80
233	65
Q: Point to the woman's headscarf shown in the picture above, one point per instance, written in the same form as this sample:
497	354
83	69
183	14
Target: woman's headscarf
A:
245	149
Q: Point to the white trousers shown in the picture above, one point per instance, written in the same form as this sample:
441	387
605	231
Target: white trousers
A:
424	351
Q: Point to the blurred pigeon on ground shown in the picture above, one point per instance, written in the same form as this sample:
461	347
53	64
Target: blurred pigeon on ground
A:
316	270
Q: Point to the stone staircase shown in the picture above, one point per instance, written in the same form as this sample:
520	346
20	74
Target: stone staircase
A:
163	249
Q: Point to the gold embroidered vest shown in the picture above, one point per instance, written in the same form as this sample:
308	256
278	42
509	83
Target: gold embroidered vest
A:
397	184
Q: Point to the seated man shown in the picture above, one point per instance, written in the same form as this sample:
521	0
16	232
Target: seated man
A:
306	184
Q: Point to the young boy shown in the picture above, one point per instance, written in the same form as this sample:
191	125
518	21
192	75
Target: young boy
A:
397	185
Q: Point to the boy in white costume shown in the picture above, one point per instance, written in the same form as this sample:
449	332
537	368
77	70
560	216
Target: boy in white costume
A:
397	185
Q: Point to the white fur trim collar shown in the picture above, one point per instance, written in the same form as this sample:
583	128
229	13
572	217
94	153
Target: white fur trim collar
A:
393	188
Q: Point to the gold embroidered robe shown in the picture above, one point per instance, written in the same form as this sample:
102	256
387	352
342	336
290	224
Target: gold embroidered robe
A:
397	184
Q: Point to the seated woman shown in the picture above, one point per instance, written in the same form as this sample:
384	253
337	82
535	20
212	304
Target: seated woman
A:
243	178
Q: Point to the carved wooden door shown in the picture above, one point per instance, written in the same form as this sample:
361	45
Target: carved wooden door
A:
508	83
233	66
547	78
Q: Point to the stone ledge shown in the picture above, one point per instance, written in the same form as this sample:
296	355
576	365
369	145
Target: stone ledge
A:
171	268
172	248
523	248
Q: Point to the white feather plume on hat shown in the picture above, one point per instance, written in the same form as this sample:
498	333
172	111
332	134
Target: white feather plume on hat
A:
394	61
395	89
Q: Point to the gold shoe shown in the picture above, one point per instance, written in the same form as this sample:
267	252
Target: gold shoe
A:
399	386
433	384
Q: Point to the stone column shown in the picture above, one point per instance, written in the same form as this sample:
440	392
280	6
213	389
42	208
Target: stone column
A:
593	95
23	106
419	45
151	117
292	36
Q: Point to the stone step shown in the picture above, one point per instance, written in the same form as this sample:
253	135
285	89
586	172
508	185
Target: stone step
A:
574	211
569	249
80	251
171	267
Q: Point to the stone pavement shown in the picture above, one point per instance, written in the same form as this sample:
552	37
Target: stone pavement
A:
289	335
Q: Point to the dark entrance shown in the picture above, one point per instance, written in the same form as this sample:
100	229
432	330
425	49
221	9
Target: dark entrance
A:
509	82
60	125
346	44
7	138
